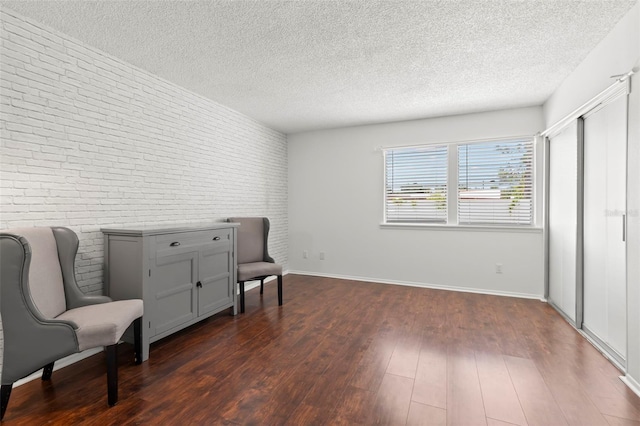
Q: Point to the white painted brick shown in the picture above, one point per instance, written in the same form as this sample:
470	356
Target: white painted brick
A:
70	121
59	54
14	155
25	201
9	94
17	127
37	100
10	46
46	66
13	62
6	192
49	158
52	61
19	180
35	192
16	29
24	89
32	76
52	127
63	106
45	89
38	107
44	41
25	117
44	72
57	41
49	134
9	69
46	208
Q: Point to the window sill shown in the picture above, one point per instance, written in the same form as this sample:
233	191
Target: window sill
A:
472	228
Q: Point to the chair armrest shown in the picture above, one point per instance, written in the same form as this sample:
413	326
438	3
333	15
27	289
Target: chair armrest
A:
30	340
31	347
54	322
86	300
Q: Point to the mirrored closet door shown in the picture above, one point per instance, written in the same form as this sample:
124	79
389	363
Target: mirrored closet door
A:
604	252
562	221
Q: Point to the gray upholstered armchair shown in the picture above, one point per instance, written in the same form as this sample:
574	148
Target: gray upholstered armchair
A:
254	262
45	316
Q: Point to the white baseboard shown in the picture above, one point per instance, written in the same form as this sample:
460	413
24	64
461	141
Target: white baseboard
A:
64	362
632	383
423	285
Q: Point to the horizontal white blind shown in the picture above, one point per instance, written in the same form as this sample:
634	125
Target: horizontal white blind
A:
416	185
495	182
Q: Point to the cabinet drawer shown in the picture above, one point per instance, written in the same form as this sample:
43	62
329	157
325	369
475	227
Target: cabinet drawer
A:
179	242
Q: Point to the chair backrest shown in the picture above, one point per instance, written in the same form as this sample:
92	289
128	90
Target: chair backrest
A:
251	239
45	275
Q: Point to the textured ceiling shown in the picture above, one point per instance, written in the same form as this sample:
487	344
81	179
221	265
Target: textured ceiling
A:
302	65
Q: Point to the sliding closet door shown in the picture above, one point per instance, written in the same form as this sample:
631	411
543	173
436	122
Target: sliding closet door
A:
562	220
605	151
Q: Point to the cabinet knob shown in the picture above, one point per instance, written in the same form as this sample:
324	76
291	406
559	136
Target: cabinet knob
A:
175	244
199	284
216	238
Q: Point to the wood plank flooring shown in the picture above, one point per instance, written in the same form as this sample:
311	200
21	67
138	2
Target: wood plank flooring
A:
343	353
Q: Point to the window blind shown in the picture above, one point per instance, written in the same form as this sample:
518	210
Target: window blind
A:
495	182
416	185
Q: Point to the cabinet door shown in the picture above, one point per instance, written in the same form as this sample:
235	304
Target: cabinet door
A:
215	264
174	277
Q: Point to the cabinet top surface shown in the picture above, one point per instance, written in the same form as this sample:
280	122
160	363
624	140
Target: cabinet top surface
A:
142	230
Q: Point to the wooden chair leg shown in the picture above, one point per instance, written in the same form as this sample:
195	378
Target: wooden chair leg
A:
112	374
261	286
241	297
280	290
47	371
137	340
5	393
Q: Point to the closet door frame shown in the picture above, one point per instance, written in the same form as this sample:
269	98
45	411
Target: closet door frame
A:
580	228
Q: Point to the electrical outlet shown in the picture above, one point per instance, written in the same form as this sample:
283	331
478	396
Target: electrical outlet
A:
305	254
498	268
321	255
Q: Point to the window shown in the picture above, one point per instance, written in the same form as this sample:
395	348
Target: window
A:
493	183
416	185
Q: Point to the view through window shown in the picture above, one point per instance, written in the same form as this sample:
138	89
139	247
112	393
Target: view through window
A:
494	181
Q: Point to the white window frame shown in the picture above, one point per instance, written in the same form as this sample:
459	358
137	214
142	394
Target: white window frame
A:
452	190
421	193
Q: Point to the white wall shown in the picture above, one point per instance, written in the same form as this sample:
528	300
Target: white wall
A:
89	141
336	207
618	53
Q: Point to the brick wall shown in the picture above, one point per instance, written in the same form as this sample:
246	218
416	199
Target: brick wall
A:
89	141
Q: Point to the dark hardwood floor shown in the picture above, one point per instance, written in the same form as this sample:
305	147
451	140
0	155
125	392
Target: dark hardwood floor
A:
344	352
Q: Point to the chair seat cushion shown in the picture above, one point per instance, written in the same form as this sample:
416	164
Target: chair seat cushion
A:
103	324
248	271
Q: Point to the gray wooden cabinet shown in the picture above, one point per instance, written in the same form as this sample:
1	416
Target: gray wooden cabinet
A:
182	274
